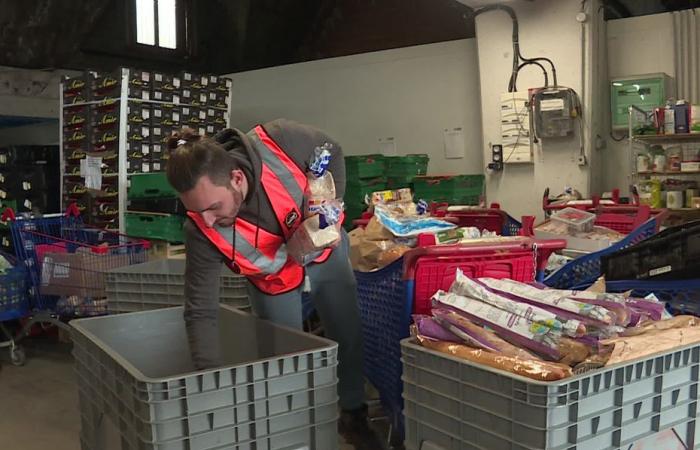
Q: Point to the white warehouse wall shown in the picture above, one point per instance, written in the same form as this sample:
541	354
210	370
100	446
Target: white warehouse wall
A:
636	46
30	93
411	94
546	28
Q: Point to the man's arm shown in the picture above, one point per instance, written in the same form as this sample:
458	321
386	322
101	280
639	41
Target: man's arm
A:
202	277
299	141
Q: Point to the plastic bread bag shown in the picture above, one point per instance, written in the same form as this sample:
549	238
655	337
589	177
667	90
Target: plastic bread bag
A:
536	370
469	287
684	321
485	339
427	326
573	351
551	297
409	225
653	308
320	184
316	234
518	330
627	348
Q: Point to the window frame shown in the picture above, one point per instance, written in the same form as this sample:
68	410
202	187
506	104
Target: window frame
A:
183	12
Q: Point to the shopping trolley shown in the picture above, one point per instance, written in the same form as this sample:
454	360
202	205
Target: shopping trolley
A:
387	298
14	305
65	262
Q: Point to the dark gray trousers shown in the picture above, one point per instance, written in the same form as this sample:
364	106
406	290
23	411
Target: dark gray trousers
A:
334	295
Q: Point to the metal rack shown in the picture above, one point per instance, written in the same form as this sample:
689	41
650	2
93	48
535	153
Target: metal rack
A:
638	117
123	101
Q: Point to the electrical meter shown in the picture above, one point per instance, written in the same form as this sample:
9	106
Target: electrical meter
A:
555	110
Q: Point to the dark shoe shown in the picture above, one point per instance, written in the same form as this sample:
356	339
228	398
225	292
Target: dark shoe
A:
354	426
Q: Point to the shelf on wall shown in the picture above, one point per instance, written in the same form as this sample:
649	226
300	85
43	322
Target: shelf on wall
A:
660	138
694	172
112	101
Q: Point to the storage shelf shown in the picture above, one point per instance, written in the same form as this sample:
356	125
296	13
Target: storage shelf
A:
661	138
133	99
694	172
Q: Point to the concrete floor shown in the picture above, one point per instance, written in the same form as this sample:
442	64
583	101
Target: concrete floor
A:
39	401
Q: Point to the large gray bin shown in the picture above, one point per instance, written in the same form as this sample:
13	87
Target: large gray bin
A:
160	284
454	404
275	390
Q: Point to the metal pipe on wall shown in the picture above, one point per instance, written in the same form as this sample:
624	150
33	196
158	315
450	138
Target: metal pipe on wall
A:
687	54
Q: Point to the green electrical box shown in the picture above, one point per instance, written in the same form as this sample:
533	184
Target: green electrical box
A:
646	92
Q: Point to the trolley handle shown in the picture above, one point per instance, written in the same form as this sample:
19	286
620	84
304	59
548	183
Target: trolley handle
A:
8	215
545	246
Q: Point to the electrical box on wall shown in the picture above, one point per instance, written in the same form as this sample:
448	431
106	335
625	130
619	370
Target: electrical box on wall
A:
554	111
515	128
643	91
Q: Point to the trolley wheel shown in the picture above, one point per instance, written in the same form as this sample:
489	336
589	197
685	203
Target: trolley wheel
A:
17	356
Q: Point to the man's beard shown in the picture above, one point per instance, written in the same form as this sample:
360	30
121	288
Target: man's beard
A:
237	203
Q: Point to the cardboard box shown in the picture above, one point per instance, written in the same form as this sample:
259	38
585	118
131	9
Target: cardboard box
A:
690	167
105	120
138	132
76	117
77	139
80	273
140	78
161	95
138	113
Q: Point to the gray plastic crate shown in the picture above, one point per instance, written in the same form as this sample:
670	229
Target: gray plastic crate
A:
160	284
453	404
275	390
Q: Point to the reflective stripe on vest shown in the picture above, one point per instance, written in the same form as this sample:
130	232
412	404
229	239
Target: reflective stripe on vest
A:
263	263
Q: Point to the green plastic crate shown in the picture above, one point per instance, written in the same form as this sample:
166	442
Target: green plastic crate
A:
364	167
352	213
455	190
150	185
165	227
400	182
355	190
406	166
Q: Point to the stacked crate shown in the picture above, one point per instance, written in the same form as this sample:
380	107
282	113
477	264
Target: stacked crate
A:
124	129
29	182
401	170
452	189
364	174
154	211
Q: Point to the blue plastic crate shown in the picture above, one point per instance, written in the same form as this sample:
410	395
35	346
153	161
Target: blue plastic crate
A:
14	303
511	227
681	296
586	269
385	309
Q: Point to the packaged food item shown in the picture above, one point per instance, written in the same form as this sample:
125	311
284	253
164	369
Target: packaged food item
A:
588	313
315	234
320	184
402	195
575	219
468	287
478	336
536	370
683	321
427	326
407	225
518	330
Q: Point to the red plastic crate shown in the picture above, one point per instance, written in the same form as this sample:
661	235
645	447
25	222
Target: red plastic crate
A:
434	268
625	219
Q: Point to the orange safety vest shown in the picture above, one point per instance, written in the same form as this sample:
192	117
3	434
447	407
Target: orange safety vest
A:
267	266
